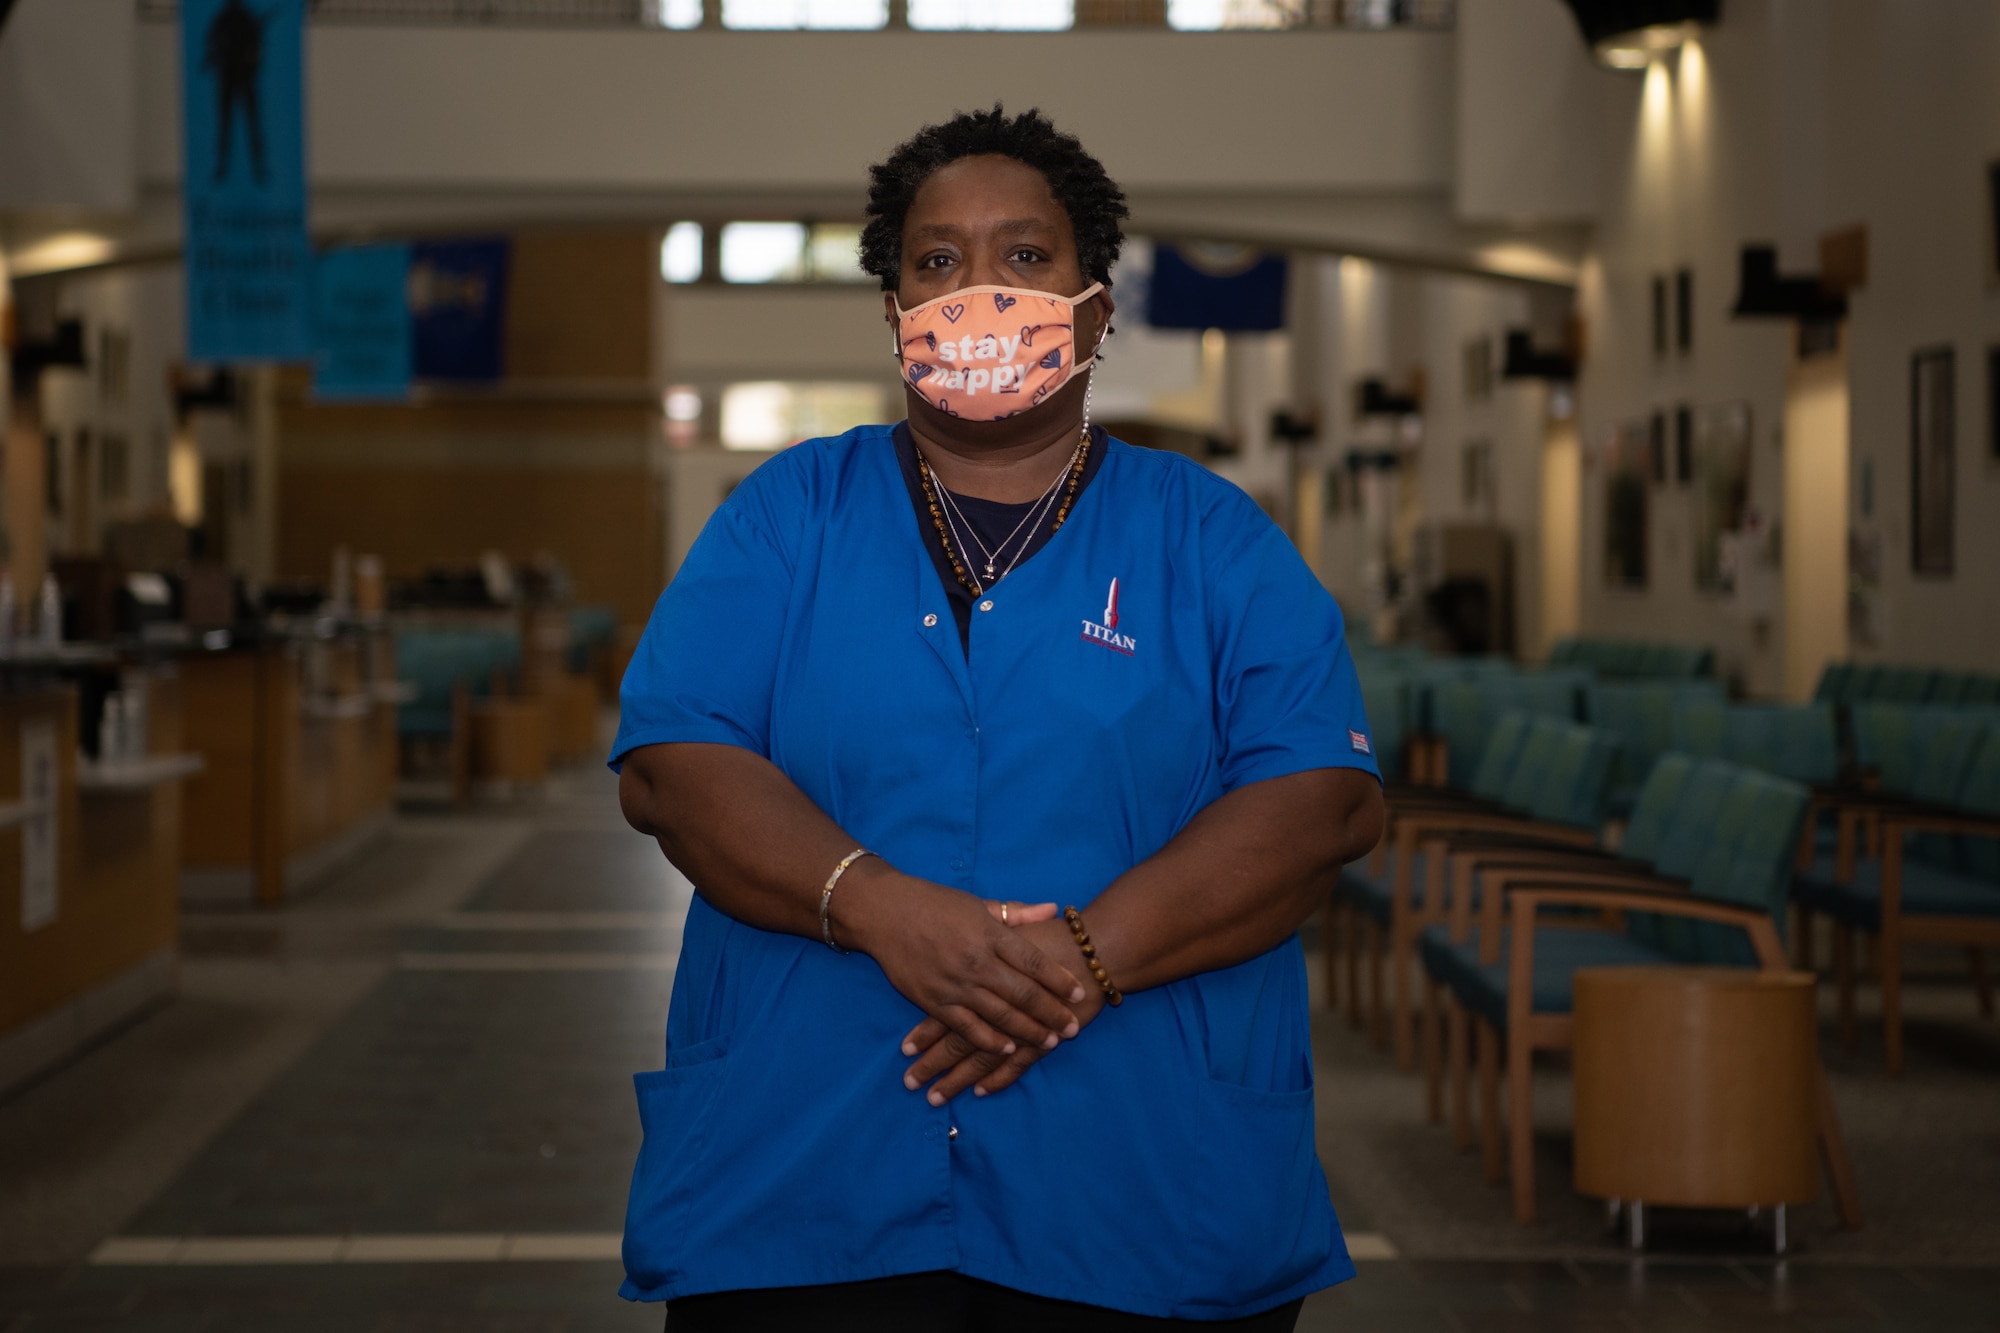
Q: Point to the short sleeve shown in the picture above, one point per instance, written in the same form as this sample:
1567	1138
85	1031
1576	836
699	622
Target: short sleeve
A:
705	668
1287	698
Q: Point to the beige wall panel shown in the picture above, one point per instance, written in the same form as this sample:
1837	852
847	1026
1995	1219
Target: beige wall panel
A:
579	304
602	522
750	333
547	108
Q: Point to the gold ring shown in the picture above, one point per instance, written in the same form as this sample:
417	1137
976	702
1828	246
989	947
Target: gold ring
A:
1003	915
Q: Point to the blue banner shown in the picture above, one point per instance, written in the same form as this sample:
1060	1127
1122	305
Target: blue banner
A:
458	305
1202	287
243	180
361	324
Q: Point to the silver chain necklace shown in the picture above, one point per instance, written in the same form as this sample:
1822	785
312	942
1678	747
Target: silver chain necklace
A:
955	515
1045	505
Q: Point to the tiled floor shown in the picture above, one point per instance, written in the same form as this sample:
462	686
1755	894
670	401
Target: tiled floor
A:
438	1046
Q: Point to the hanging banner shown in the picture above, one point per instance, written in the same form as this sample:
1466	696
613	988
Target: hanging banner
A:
458	308
361	324
1238	288
243	180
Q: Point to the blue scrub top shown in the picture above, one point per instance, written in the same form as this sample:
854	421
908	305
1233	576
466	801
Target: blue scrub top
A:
1163	1162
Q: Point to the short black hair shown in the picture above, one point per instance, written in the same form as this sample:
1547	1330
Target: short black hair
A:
1095	204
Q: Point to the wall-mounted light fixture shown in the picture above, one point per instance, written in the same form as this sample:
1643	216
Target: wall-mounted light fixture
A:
1632	34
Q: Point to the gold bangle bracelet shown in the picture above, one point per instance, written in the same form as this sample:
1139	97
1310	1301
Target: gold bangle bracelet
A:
826	897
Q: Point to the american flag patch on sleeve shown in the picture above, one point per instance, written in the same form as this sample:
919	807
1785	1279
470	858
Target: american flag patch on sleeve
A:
1359	740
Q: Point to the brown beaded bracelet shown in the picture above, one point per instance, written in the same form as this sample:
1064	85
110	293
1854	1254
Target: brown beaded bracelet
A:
1075	920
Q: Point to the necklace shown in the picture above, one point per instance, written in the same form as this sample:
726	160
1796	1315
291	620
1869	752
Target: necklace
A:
963	527
941	520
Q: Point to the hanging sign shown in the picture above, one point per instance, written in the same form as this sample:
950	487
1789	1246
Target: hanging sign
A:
361	324
1195	286
458	308
243	180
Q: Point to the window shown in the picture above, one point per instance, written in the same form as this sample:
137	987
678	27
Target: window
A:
833	253
773	414
791	252
763	252
683	410
805	13
1684	311
1367	15
680	253
1011	15
675	13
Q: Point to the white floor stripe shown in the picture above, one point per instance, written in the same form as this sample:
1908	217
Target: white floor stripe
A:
1363	1246
243	1251
554	921
536	962
474	1248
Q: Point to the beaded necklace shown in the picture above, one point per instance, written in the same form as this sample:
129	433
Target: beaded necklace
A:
958	569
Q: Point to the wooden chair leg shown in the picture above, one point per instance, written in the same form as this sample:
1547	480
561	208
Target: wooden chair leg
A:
1521	1125
1492	1158
1889	957
1352	940
1378	1017
1402	943
1843	975
1433	1056
1458	1063
1982	981
1833	1147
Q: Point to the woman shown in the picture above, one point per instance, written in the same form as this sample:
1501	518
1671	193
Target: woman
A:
914	691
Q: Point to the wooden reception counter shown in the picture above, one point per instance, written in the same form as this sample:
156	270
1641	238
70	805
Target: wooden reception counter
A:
299	735
89	870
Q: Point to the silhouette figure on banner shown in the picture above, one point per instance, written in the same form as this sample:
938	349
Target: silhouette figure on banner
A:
235	54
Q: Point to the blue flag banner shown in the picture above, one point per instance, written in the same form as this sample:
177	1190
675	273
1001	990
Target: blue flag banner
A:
458	308
361	324
243	180
1216	287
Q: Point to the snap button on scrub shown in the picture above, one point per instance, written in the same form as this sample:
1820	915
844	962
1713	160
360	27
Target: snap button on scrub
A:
953	1135
929	621
986	605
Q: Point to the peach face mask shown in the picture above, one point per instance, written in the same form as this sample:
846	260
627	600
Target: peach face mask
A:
986	353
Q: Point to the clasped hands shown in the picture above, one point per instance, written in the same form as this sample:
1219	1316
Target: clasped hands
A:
1004	984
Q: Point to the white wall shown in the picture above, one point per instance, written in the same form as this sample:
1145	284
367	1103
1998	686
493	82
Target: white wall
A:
1529	97
1913	123
67	123
559	109
1793	118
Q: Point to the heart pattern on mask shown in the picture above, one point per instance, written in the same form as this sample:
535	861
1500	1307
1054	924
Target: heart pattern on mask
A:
1028	332
953	312
918	371
1001	301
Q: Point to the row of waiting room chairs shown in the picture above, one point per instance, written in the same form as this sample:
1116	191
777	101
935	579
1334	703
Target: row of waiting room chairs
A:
1632	659
1733	811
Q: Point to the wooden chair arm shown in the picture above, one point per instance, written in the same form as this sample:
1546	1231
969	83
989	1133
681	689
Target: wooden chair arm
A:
1917	820
1528	900
1428	827
1497	886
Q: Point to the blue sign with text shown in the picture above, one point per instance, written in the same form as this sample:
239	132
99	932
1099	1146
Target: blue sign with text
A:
243	180
458	306
361	324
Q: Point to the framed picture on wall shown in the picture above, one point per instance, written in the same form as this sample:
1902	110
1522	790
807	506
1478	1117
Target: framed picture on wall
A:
1627	474
1722	487
1933	461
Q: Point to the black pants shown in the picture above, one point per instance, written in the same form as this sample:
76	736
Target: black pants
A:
929	1303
